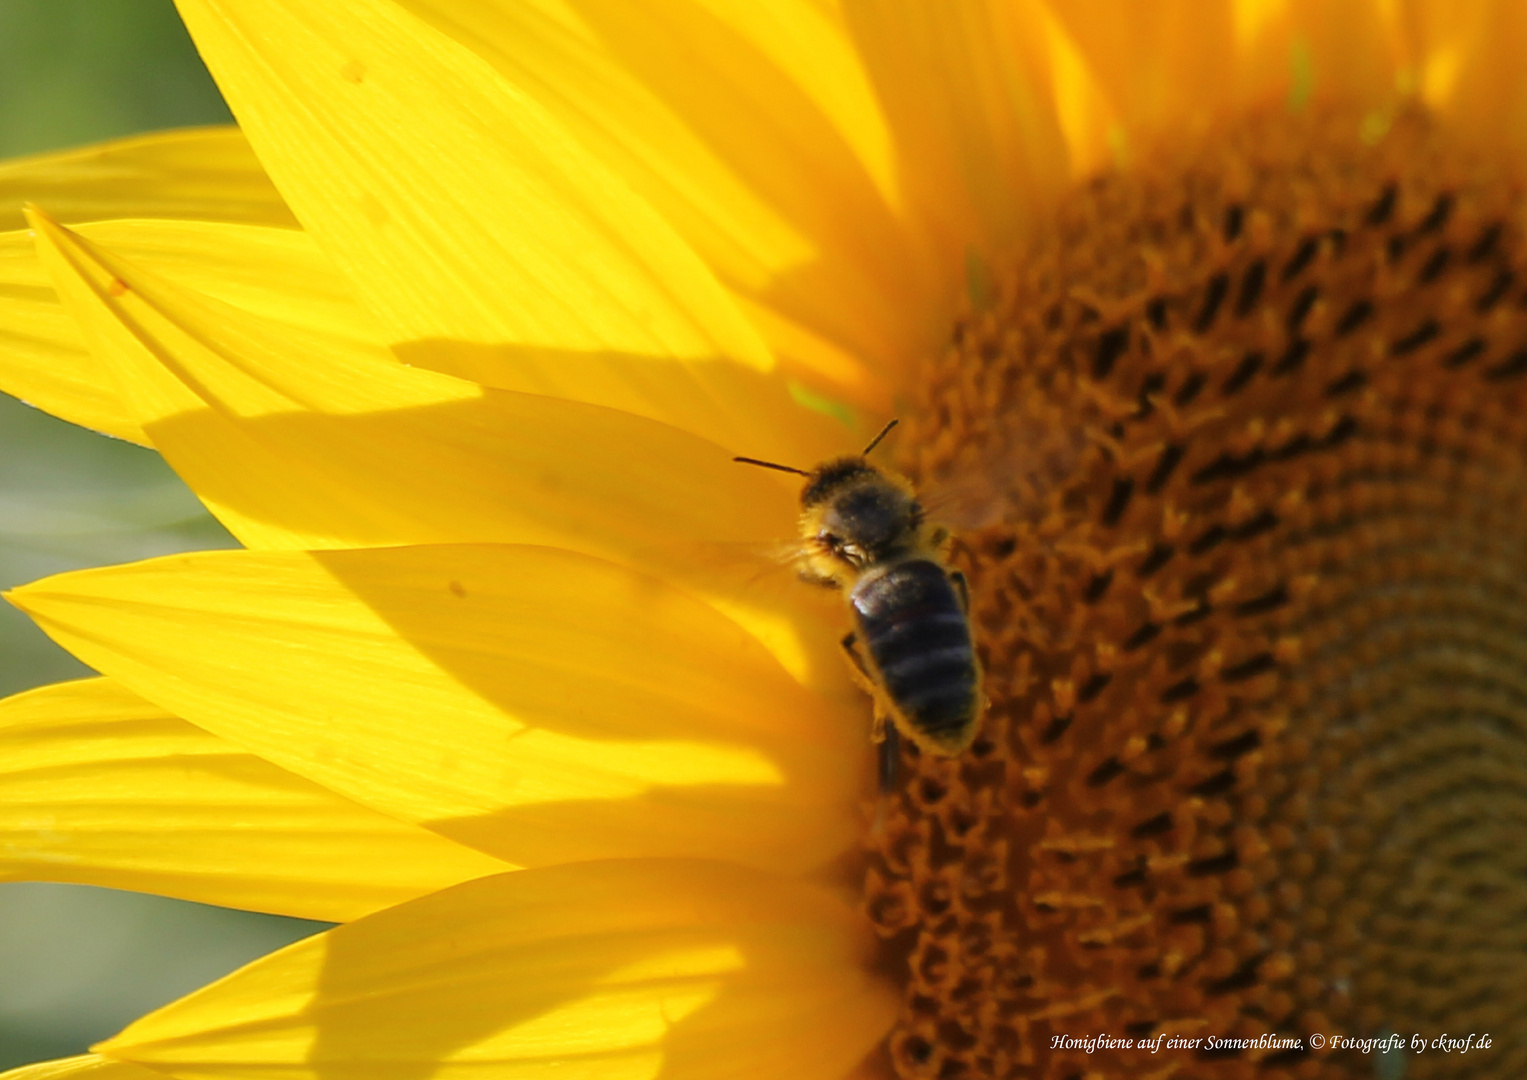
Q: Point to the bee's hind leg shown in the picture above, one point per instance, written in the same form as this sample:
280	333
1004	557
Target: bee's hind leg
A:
862	674
866	680
884	735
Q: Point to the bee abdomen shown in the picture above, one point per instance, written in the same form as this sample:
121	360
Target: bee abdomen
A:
919	639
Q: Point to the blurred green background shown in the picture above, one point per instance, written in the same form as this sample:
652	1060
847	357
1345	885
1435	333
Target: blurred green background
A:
78	963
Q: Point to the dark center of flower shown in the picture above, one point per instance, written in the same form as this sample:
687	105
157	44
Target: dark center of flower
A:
1254	624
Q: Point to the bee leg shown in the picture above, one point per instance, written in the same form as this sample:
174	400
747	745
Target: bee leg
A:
867	681
958	577
890	757
886	738
851	646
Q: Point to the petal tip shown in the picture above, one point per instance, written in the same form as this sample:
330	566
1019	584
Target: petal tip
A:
37	217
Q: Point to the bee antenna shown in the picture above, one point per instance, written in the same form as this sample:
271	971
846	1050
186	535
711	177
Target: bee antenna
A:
772	465
876	440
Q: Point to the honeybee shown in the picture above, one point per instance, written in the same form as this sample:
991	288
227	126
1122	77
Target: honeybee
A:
863	533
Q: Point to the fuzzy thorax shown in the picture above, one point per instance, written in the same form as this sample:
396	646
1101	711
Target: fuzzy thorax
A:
855	516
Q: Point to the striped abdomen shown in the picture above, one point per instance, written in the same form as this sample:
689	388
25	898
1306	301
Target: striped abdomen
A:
918	637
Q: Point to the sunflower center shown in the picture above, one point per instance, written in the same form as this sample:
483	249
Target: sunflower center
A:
1250	430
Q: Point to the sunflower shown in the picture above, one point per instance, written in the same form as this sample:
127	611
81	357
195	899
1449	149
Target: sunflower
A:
1209	320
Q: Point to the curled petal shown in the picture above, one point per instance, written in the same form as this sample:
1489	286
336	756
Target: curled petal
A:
83	1067
195	174
272	273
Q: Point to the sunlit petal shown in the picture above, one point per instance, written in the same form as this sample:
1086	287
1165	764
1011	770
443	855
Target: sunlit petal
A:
750	127
98	787
281	432
1294	52
274	273
1159	63
201	174
535	704
626	970
973	116
1469	57
459	207
84	1067
43	360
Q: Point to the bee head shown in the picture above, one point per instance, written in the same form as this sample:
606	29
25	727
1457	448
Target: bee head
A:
855	515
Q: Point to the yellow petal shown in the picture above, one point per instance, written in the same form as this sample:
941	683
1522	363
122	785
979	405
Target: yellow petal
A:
43	360
1355	49
203	174
1350	52
1469	54
98	787
458	207
1161	65
84	1067
730	404
279	427
974	118
275	273
602	971
837	374
538	705
284	433
750	127
1087	122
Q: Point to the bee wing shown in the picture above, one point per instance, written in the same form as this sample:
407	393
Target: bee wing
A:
1003	477
776	561
966	502
743	565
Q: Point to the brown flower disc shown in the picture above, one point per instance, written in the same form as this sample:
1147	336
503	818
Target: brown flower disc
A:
1249	424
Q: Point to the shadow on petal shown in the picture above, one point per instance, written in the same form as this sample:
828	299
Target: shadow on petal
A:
726	402
661	970
515	468
646	968
702	817
695	734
